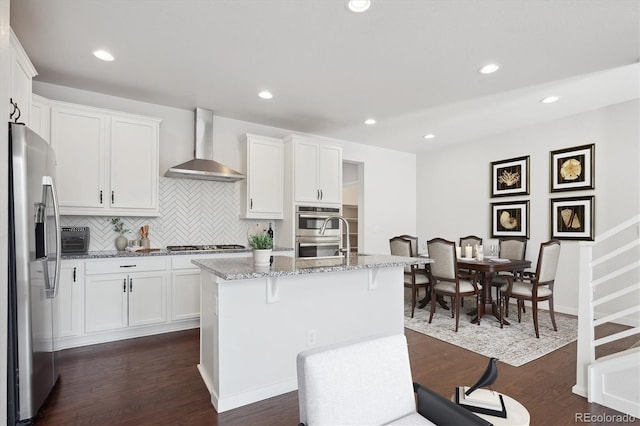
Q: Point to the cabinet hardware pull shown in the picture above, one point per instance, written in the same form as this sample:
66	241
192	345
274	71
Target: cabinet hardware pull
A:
251	203
130	285
321	194
124	285
128	266
113	197
101	196
74	274
317	194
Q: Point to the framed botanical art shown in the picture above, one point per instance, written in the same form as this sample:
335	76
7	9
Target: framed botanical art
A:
510	219
573	218
572	168
510	177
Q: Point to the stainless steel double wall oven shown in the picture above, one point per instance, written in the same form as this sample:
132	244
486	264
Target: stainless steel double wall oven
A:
310	243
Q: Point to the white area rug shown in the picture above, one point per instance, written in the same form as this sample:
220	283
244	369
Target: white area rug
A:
515	344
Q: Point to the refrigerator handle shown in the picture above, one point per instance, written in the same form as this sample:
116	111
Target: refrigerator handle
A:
48	181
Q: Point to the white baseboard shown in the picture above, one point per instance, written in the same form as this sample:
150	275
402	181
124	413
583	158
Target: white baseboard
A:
126	333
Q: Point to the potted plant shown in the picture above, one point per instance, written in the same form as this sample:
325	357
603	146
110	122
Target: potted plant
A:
118	226
262	247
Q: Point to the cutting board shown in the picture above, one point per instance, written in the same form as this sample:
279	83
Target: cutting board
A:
149	250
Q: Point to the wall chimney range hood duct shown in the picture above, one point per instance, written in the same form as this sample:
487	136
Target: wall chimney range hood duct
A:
203	166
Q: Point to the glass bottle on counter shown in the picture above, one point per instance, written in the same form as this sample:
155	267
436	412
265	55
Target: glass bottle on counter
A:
270	231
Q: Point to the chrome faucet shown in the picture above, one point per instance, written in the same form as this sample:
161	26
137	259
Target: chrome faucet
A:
346	225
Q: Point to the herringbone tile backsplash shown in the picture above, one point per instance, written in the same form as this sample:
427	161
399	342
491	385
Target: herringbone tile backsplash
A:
191	212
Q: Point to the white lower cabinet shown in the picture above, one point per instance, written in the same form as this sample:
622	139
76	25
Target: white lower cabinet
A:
127	299
185	294
69	304
104	300
185	288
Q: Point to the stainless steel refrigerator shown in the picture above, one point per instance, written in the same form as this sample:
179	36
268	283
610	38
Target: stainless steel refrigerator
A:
34	273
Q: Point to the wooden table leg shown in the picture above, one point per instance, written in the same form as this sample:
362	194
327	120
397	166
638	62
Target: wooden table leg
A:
487	300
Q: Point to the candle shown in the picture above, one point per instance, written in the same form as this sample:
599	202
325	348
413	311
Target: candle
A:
467	251
457	251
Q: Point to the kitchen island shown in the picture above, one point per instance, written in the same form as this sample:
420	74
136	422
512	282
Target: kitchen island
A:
254	321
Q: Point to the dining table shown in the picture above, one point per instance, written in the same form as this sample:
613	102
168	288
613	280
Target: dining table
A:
486	269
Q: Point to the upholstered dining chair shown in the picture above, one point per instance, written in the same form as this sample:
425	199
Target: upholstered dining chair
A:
509	248
448	280
414	276
470	240
534	287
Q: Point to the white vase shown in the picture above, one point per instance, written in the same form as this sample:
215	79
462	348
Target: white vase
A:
261	257
121	243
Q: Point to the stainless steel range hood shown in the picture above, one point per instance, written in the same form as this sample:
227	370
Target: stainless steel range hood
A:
203	166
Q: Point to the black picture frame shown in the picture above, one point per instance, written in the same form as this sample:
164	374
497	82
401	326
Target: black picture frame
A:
510	219
572	169
510	177
573	218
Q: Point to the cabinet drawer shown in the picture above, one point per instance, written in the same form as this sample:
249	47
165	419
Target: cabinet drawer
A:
125	265
184	262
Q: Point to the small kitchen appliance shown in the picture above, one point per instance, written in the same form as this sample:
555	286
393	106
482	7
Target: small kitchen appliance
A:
75	239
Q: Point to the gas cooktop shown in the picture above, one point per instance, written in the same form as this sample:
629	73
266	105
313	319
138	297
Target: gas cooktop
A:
206	247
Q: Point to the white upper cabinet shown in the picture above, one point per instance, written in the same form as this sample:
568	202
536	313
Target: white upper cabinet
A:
262	190
22	72
134	163
79	139
317	171
40	119
107	161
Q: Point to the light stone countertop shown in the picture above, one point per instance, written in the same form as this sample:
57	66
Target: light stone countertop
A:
113	254
244	268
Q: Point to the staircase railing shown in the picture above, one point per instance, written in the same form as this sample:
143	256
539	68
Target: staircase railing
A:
607	260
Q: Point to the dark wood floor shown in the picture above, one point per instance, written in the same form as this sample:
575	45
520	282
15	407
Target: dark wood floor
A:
154	381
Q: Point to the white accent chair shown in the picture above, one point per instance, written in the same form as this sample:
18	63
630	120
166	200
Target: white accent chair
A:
368	382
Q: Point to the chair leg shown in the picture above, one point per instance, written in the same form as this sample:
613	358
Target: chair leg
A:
414	291
454	302
551	312
432	310
506	305
534	308
457	305
520	303
478	297
501	299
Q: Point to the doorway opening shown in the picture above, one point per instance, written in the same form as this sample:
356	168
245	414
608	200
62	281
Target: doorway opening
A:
352	202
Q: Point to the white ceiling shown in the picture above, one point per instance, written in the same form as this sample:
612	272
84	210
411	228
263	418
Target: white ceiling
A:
410	64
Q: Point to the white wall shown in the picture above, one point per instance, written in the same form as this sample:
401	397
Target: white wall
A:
388	185
5	93
389	195
453	183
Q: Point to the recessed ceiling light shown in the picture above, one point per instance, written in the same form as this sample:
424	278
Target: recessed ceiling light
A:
550	99
358	6
265	95
369	121
103	55
489	69
429	136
